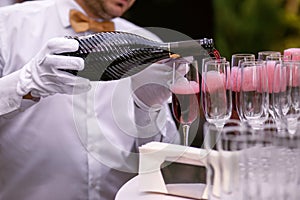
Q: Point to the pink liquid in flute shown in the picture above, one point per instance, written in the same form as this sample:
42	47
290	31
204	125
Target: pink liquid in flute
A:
185	87
292	54
186	98
215	85
254	78
214	81
214	92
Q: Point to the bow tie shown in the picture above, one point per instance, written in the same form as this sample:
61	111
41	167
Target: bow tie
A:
82	23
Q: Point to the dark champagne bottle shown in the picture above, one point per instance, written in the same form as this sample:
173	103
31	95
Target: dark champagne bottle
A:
116	55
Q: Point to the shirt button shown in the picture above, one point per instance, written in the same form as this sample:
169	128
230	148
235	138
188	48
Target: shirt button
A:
93	185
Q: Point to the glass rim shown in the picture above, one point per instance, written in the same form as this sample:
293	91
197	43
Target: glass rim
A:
243	54
217	62
255	62
269	51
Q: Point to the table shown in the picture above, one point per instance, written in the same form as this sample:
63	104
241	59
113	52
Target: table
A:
130	191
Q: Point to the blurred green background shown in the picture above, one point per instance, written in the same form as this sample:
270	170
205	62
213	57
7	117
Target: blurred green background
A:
235	25
255	25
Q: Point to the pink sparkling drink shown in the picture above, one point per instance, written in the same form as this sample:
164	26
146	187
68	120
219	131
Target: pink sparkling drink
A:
186	101
216	95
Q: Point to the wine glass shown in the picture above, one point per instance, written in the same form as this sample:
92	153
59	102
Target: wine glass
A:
254	96
185	90
236	60
216	92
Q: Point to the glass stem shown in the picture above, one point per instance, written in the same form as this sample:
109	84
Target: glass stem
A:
186	129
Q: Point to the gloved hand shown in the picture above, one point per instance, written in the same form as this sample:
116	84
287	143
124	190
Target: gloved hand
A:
41	76
151	86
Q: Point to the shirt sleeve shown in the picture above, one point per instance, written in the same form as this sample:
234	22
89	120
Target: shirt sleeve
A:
9	99
10	102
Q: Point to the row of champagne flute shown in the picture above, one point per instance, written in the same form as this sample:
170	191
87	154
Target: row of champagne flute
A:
246	164
255	160
253	88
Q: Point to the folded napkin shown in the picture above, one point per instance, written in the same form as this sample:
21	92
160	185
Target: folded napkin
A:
154	154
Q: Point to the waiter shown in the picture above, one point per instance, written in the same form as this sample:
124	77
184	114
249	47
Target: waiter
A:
64	137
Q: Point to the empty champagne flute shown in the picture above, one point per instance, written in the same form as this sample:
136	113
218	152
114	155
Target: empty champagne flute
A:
185	90
271	62
231	147
215	169
286	93
254	95
286	165
216	92
270	58
236	60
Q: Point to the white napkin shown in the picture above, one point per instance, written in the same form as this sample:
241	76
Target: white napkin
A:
153	154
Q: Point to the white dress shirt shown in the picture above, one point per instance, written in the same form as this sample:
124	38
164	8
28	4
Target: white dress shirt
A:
81	147
6	2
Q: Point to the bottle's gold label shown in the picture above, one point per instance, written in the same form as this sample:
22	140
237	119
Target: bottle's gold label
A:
174	55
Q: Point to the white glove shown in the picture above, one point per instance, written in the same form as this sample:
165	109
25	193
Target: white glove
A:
151	86
41	76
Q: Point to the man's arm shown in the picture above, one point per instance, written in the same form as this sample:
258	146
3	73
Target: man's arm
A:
42	76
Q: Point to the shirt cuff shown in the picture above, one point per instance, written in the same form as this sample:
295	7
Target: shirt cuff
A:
10	101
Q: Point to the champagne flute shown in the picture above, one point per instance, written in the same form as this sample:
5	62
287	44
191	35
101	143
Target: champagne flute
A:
215	173
286	94
271	62
236	60
216	92
204	61
254	96
293	54
185	95
270	57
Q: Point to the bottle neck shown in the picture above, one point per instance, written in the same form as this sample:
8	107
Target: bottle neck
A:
191	48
